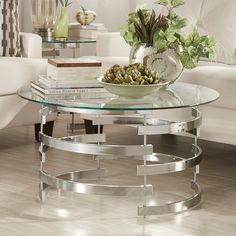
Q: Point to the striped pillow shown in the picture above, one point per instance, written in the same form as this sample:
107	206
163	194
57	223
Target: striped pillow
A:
9	28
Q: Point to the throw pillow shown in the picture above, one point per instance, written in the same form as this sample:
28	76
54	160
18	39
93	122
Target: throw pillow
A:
9	28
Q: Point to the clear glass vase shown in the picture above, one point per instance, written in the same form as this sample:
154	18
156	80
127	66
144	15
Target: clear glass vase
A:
167	64
43	14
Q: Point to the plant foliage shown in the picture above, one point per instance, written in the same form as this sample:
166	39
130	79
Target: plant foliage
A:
165	31
65	3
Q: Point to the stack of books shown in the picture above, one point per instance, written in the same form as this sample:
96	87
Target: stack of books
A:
91	31
70	76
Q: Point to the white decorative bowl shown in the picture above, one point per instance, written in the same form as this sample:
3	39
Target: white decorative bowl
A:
131	91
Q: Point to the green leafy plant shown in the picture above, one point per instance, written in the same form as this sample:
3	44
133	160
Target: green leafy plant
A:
164	31
65	3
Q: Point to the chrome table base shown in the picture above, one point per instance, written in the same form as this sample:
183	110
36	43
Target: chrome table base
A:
153	163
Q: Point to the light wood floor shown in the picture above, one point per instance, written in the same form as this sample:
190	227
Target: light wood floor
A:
71	214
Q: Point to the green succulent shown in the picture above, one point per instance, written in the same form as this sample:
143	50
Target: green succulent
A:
134	74
165	31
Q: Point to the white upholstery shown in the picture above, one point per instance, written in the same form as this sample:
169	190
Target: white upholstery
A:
111	49
217	18
31	45
107	62
111	44
16	111
220	78
219	117
16	72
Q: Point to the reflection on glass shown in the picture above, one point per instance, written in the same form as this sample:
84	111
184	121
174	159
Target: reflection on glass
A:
69	41
174	96
163	98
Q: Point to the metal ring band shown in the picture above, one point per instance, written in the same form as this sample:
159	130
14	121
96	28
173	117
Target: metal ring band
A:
62	182
94	149
164	168
174	207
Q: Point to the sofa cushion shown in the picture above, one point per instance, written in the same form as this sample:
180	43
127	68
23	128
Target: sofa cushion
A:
215	18
9	28
191	10
111	44
218	19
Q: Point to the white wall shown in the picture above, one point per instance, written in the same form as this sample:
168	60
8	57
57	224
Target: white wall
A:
111	12
134	3
25	16
190	8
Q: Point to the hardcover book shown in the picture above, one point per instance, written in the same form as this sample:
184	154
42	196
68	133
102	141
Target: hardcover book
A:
50	83
71	96
55	90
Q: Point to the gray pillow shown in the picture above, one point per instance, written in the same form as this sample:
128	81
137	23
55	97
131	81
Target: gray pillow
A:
9	28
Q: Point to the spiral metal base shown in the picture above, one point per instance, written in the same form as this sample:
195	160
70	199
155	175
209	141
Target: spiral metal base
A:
153	163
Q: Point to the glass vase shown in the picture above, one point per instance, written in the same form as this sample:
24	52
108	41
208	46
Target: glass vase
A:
43	15
61	25
167	64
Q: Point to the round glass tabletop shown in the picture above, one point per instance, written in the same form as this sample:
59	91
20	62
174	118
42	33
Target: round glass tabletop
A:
178	95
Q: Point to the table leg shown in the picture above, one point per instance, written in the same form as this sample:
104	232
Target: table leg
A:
92	129
54	53
98	161
145	162
196	170
47	129
42	154
72	122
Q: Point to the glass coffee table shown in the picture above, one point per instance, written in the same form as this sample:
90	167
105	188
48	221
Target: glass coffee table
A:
55	44
143	114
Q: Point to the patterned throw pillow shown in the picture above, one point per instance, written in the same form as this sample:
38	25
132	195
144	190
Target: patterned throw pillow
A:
9	28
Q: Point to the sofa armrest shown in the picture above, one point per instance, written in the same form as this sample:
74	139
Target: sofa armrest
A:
16	72
31	45
111	44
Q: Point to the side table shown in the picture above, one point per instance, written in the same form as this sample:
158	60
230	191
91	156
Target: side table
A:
56	45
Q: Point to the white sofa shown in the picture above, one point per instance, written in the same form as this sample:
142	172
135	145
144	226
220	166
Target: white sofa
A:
16	72
214	17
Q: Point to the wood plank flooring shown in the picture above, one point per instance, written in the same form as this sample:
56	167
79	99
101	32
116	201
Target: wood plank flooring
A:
70	214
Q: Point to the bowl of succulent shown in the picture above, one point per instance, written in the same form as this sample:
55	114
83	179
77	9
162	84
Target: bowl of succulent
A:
133	81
